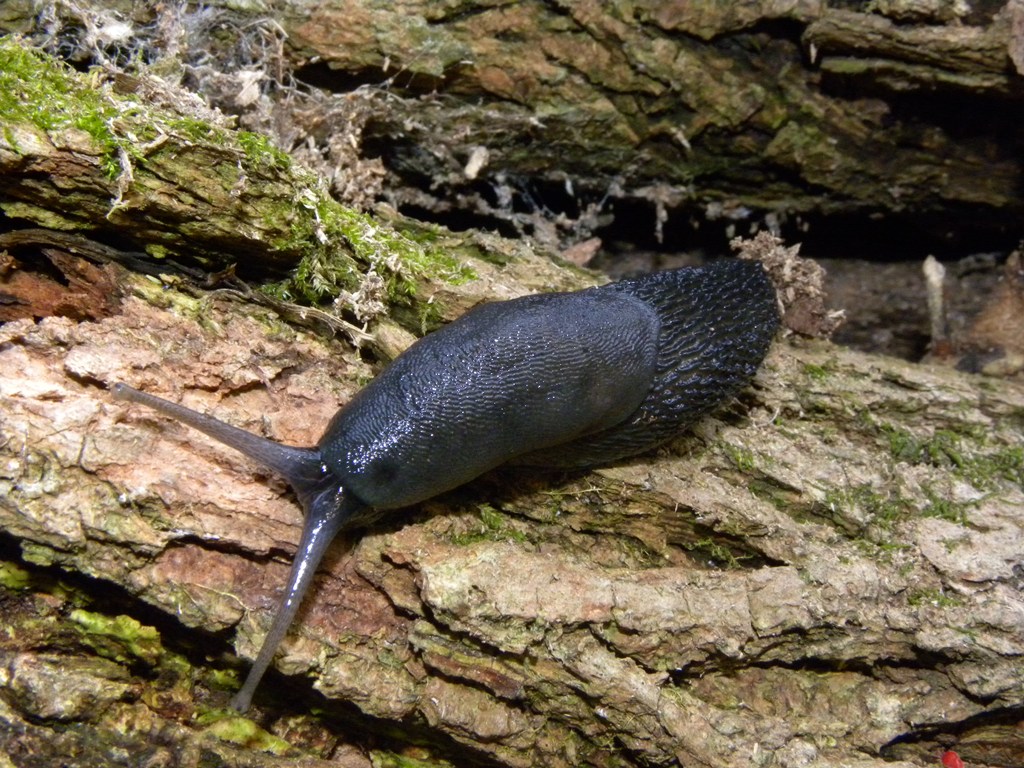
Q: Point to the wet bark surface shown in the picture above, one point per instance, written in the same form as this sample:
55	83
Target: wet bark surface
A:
826	571
838	550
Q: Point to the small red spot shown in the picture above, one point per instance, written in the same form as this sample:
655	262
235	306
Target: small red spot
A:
951	759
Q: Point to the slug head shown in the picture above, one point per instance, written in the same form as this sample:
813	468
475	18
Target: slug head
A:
326	503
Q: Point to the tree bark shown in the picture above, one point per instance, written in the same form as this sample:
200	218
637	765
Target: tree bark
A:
724	113
827	571
722	110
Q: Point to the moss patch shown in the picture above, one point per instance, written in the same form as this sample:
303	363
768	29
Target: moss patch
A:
244	732
119	638
41	91
325	274
493	526
14	577
967	454
249	202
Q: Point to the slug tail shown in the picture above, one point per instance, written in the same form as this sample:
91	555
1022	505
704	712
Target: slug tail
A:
716	325
325	516
297	465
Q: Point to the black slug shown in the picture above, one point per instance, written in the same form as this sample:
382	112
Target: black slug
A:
558	379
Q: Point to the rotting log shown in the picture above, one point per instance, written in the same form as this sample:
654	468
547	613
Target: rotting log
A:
733	110
556	117
129	160
826	571
839	551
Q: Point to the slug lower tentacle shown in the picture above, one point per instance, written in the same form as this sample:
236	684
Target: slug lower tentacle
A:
559	379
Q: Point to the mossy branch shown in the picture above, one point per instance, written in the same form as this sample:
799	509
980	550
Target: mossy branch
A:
130	160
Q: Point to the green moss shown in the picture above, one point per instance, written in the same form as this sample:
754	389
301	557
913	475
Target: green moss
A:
966	453
244	732
327	271
934	597
14	577
37	554
892	547
817	373
903	446
714	552
42	91
883	508
157	251
391	760
119	638
334	246
260	152
493	526
741	457
422	233
154	292
198	131
336	240
1006	463
223	680
946	509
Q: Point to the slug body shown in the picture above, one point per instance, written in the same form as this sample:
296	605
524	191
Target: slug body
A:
560	379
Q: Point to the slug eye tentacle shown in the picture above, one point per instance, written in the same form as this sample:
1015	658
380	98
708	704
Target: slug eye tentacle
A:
326	504
296	465
326	515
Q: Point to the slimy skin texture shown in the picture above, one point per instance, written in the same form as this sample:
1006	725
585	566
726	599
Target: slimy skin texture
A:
560	379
